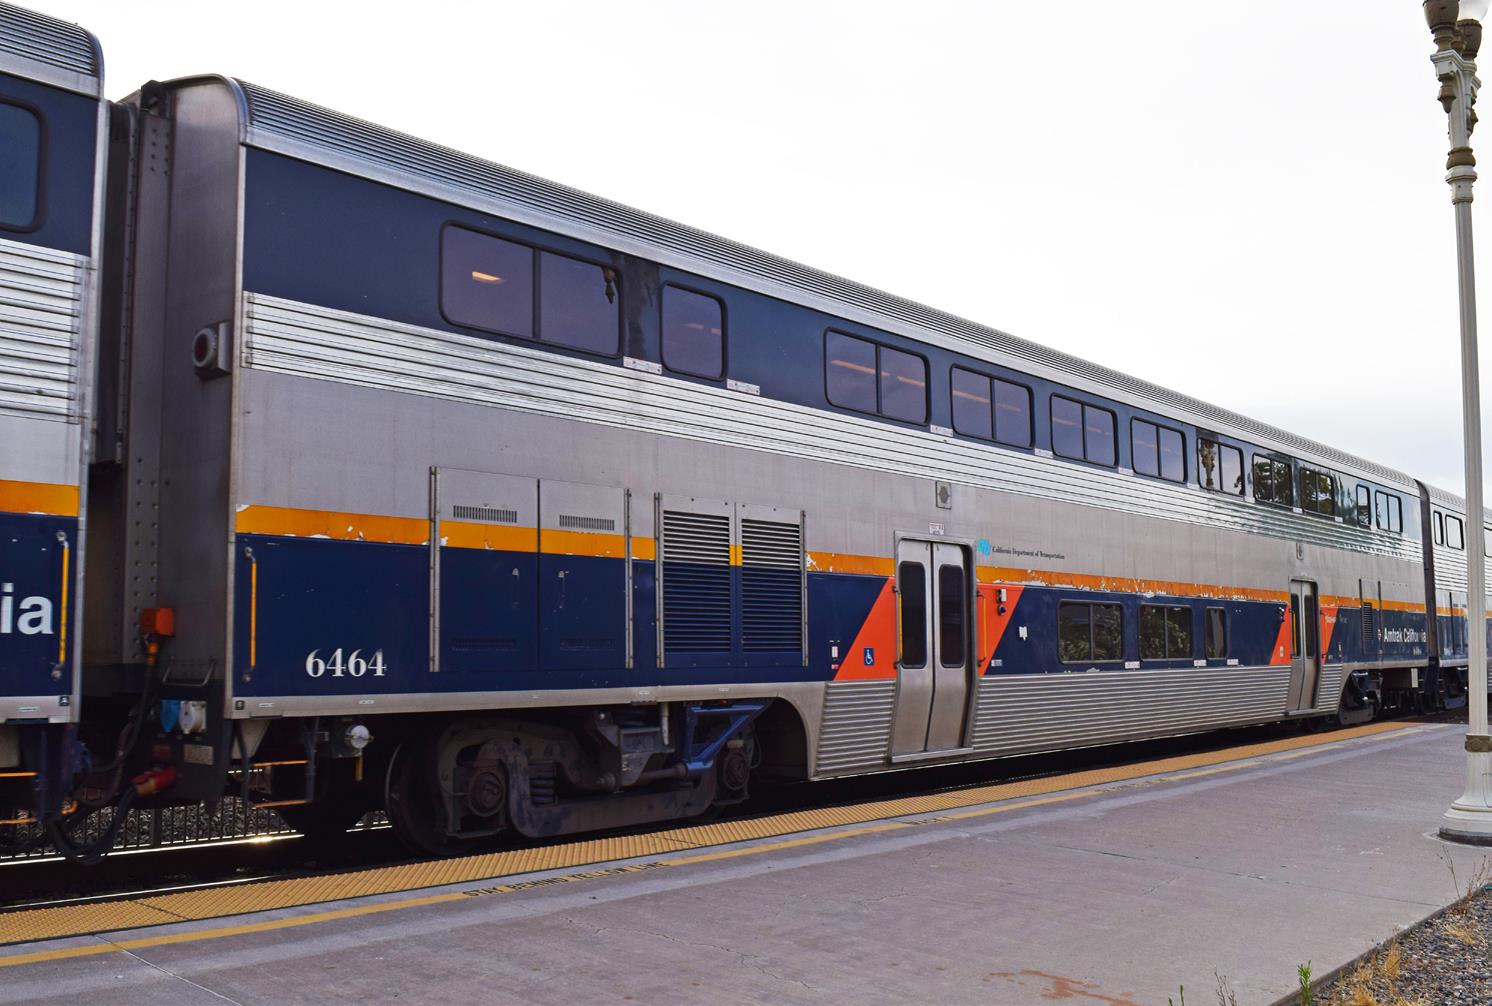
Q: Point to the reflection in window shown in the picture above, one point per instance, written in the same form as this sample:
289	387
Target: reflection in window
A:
1090	631
1364	506
1084	432
989	407
911	585
1272	482
903	386
951	609
1220	467
1388	512
851	374
1157	450
1012	413
1318	492
486	282
578	304
20	166
1215	633
693	333
1165	632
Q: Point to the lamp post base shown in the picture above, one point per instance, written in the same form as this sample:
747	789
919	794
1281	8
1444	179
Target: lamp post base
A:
1469	819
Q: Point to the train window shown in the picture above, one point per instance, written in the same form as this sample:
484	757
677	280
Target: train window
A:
1089	631
911	585
1272	483
579	305
1084	432
1439	527
973	411
1318	492
1388	512
1012	413
20	167
1364	506
693	333
1215	633
486	282
851	377
1157	450
1165	632
951	608
1487	542
903	385
1219	467
1454	534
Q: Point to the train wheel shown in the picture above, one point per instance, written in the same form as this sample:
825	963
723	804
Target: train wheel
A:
416	816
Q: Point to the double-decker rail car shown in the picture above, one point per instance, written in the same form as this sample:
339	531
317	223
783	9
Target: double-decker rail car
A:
53	131
503	506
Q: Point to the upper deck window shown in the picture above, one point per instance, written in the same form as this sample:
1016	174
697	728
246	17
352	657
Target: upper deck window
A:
1318	492
1364	506
1388	512
489	283
1455	535
20	167
1220	467
693	333
1157	451
1272	483
868	377
990	408
1084	432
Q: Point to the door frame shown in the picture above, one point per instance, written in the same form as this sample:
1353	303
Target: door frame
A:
1305	668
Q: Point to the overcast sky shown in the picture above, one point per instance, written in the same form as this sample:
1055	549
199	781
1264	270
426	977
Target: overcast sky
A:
1244	202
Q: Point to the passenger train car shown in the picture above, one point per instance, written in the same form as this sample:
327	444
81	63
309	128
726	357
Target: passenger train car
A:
53	129
448	490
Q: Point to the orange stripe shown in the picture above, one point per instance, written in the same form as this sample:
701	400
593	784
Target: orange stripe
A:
332	524
461	534
599	544
840	562
1126	585
644	548
38	497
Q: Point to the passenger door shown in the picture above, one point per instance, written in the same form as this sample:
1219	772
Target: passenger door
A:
934	664
1305	645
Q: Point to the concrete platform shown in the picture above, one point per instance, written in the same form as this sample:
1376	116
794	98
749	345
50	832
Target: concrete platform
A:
1113	894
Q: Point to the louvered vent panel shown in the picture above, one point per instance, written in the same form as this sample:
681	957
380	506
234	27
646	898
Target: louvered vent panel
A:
576	522
492	515
1369	626
47	40
696	582
771	586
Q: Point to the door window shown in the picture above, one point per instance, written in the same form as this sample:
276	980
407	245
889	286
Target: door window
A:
951	619
911	578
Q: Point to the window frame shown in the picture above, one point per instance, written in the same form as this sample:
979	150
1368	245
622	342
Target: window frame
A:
43	162
1395	513
1166	608
1159	467
1460	533
1274	479
1083	408
1437	527
1090	605
994	409
1206	613
1243	490
1315	474
663	289
926	378
621	313
1364	506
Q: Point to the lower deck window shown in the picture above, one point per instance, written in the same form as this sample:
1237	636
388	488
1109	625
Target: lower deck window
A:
1165	632
1215	633
1089	632
20	166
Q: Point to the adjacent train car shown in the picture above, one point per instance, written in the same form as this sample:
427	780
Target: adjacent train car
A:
53	133
503	506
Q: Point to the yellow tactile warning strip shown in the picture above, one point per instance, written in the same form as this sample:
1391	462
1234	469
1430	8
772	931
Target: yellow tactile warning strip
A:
676	847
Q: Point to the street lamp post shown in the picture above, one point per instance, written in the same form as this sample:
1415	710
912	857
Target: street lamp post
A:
1458	35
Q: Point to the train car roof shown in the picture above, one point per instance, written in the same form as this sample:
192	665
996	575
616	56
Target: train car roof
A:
54	52
283	124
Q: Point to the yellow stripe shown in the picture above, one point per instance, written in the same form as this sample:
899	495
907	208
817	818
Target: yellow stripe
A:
39	497
644	548
675	843
497	537
592	543
735	555
62	624
332	524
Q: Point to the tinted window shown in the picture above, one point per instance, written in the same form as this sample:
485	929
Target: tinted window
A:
1219	467
1439	528
911	580
1165	632
579	305
951	616
486	282
1012	414
1172	455
693	333
1090	631
1272	483
1454	536
1098	435
1067	427
1317	492
1389	512
1108	632
1215	627
1364	506
1144	447
972	411
903	386
20	166
851	371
